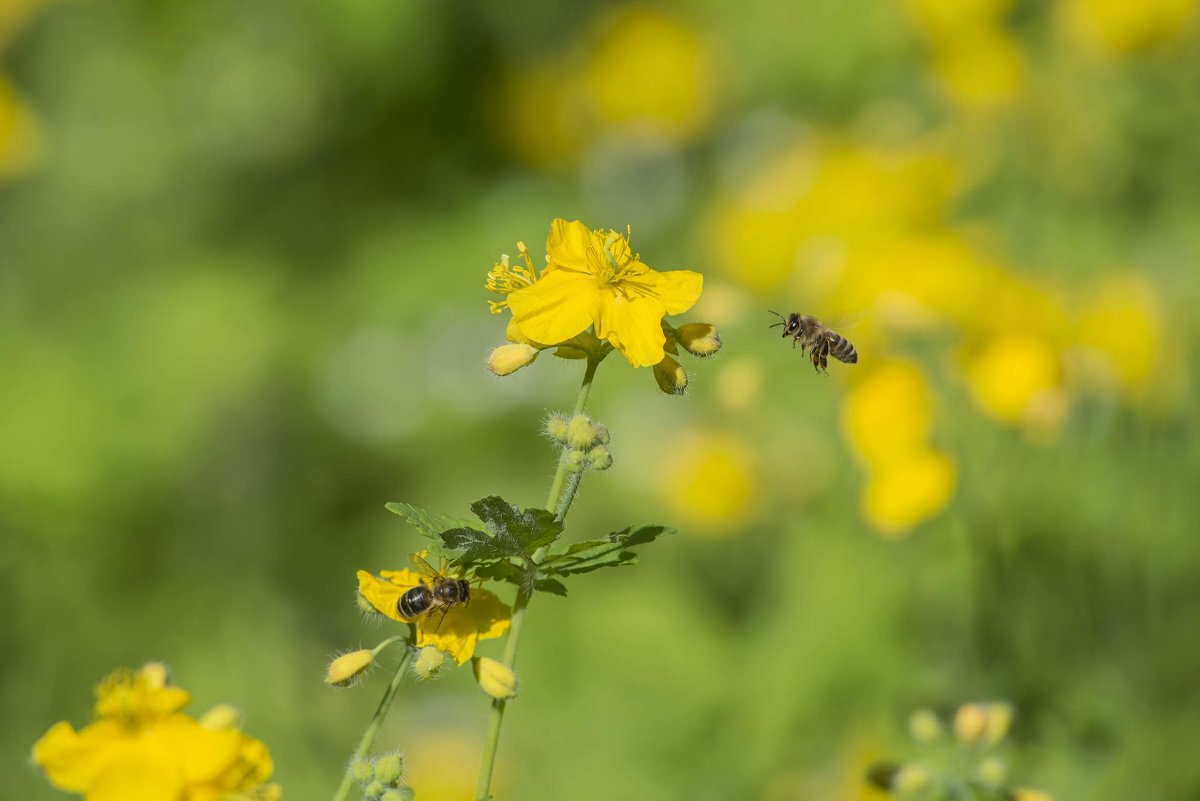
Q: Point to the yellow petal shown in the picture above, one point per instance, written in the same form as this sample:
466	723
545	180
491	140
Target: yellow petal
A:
632	323
72	760
556	308
484	617
678	290
381	594
201	754
137	774
571	246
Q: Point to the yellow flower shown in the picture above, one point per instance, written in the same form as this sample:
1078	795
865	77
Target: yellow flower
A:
908	491
982	69
710	482
483	618
593	279
1123	26
143	748
887	413
1121	326
651	69
1013	375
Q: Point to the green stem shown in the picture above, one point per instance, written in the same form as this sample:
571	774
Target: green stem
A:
372	729
513	640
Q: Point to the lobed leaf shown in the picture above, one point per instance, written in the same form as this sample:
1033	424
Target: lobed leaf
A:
610	551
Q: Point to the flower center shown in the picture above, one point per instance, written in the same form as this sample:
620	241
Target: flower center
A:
504	278
617	267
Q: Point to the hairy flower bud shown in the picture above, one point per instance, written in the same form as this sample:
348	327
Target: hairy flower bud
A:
389	768
580	432
924	726
508	359
373	791
992	771
699	339
671	377
495	678
398	794
347	667
598	458
430	662
999	721
362	771
911	779
576	461
970	722
602	435
222	717
556	428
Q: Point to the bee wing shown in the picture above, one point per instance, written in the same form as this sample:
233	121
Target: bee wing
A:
843	322
442	619
424	568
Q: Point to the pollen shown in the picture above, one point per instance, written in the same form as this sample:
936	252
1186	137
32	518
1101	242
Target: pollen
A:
504	278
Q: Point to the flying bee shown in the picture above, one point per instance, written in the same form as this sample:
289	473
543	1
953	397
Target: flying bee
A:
434	593
819	340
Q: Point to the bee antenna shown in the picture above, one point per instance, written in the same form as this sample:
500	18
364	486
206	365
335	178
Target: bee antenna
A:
782	319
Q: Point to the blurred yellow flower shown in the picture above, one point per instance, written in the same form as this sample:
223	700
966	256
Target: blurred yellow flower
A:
709	481
984	68
19	138
1125	26
907	491
1121	325
484	618
435	764
1012	375
947	20
649	68
887	413
143	748
593	278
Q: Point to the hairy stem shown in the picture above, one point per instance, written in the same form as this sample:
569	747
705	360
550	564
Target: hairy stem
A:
368	738
560	501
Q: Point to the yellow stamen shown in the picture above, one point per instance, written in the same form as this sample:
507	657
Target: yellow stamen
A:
505	278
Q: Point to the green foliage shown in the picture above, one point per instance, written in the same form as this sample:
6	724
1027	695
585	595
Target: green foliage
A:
611	551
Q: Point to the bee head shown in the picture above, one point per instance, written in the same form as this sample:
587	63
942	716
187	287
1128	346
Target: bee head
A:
792	325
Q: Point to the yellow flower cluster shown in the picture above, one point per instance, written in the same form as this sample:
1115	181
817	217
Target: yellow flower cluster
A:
887	419
1121	27
142	747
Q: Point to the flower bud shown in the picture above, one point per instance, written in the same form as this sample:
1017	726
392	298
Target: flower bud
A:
602	435
598	458
362	771
389	768
373	791
430	662
508	359
999	721
221	718
580	432
556	428
970	722
699	339
911	779
924	726
495	678
347	667
992	771
398	794
576	461
671	377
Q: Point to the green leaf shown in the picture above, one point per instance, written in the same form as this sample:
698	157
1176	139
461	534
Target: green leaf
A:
473	545
610	551
527	530
552	586
429	524
501	570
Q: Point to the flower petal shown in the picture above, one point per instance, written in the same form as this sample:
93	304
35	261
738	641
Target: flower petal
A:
484	617
678	290
72	760
201	754
555	308
571	246
632	323
137	773
383	595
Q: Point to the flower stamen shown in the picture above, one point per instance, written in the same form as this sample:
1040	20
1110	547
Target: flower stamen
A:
504	278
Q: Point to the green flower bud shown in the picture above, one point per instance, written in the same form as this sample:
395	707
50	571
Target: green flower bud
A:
430	662
598	458
992	770
556	428
699	339
374	790
671	377
580	432
602	435
911	779
575	461
389	768
398	794
924	726
362	771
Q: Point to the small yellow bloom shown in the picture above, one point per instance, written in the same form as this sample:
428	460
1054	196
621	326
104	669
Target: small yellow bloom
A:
349	666
710	482
887	413
983	69
484	618
908	491
495	678
970	723
1011	374
1121	325
593	279
508	359
1121	27
142	747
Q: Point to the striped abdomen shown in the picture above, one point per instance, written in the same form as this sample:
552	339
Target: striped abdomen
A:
840	348
415	602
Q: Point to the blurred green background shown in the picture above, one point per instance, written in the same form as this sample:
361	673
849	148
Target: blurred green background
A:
242	256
